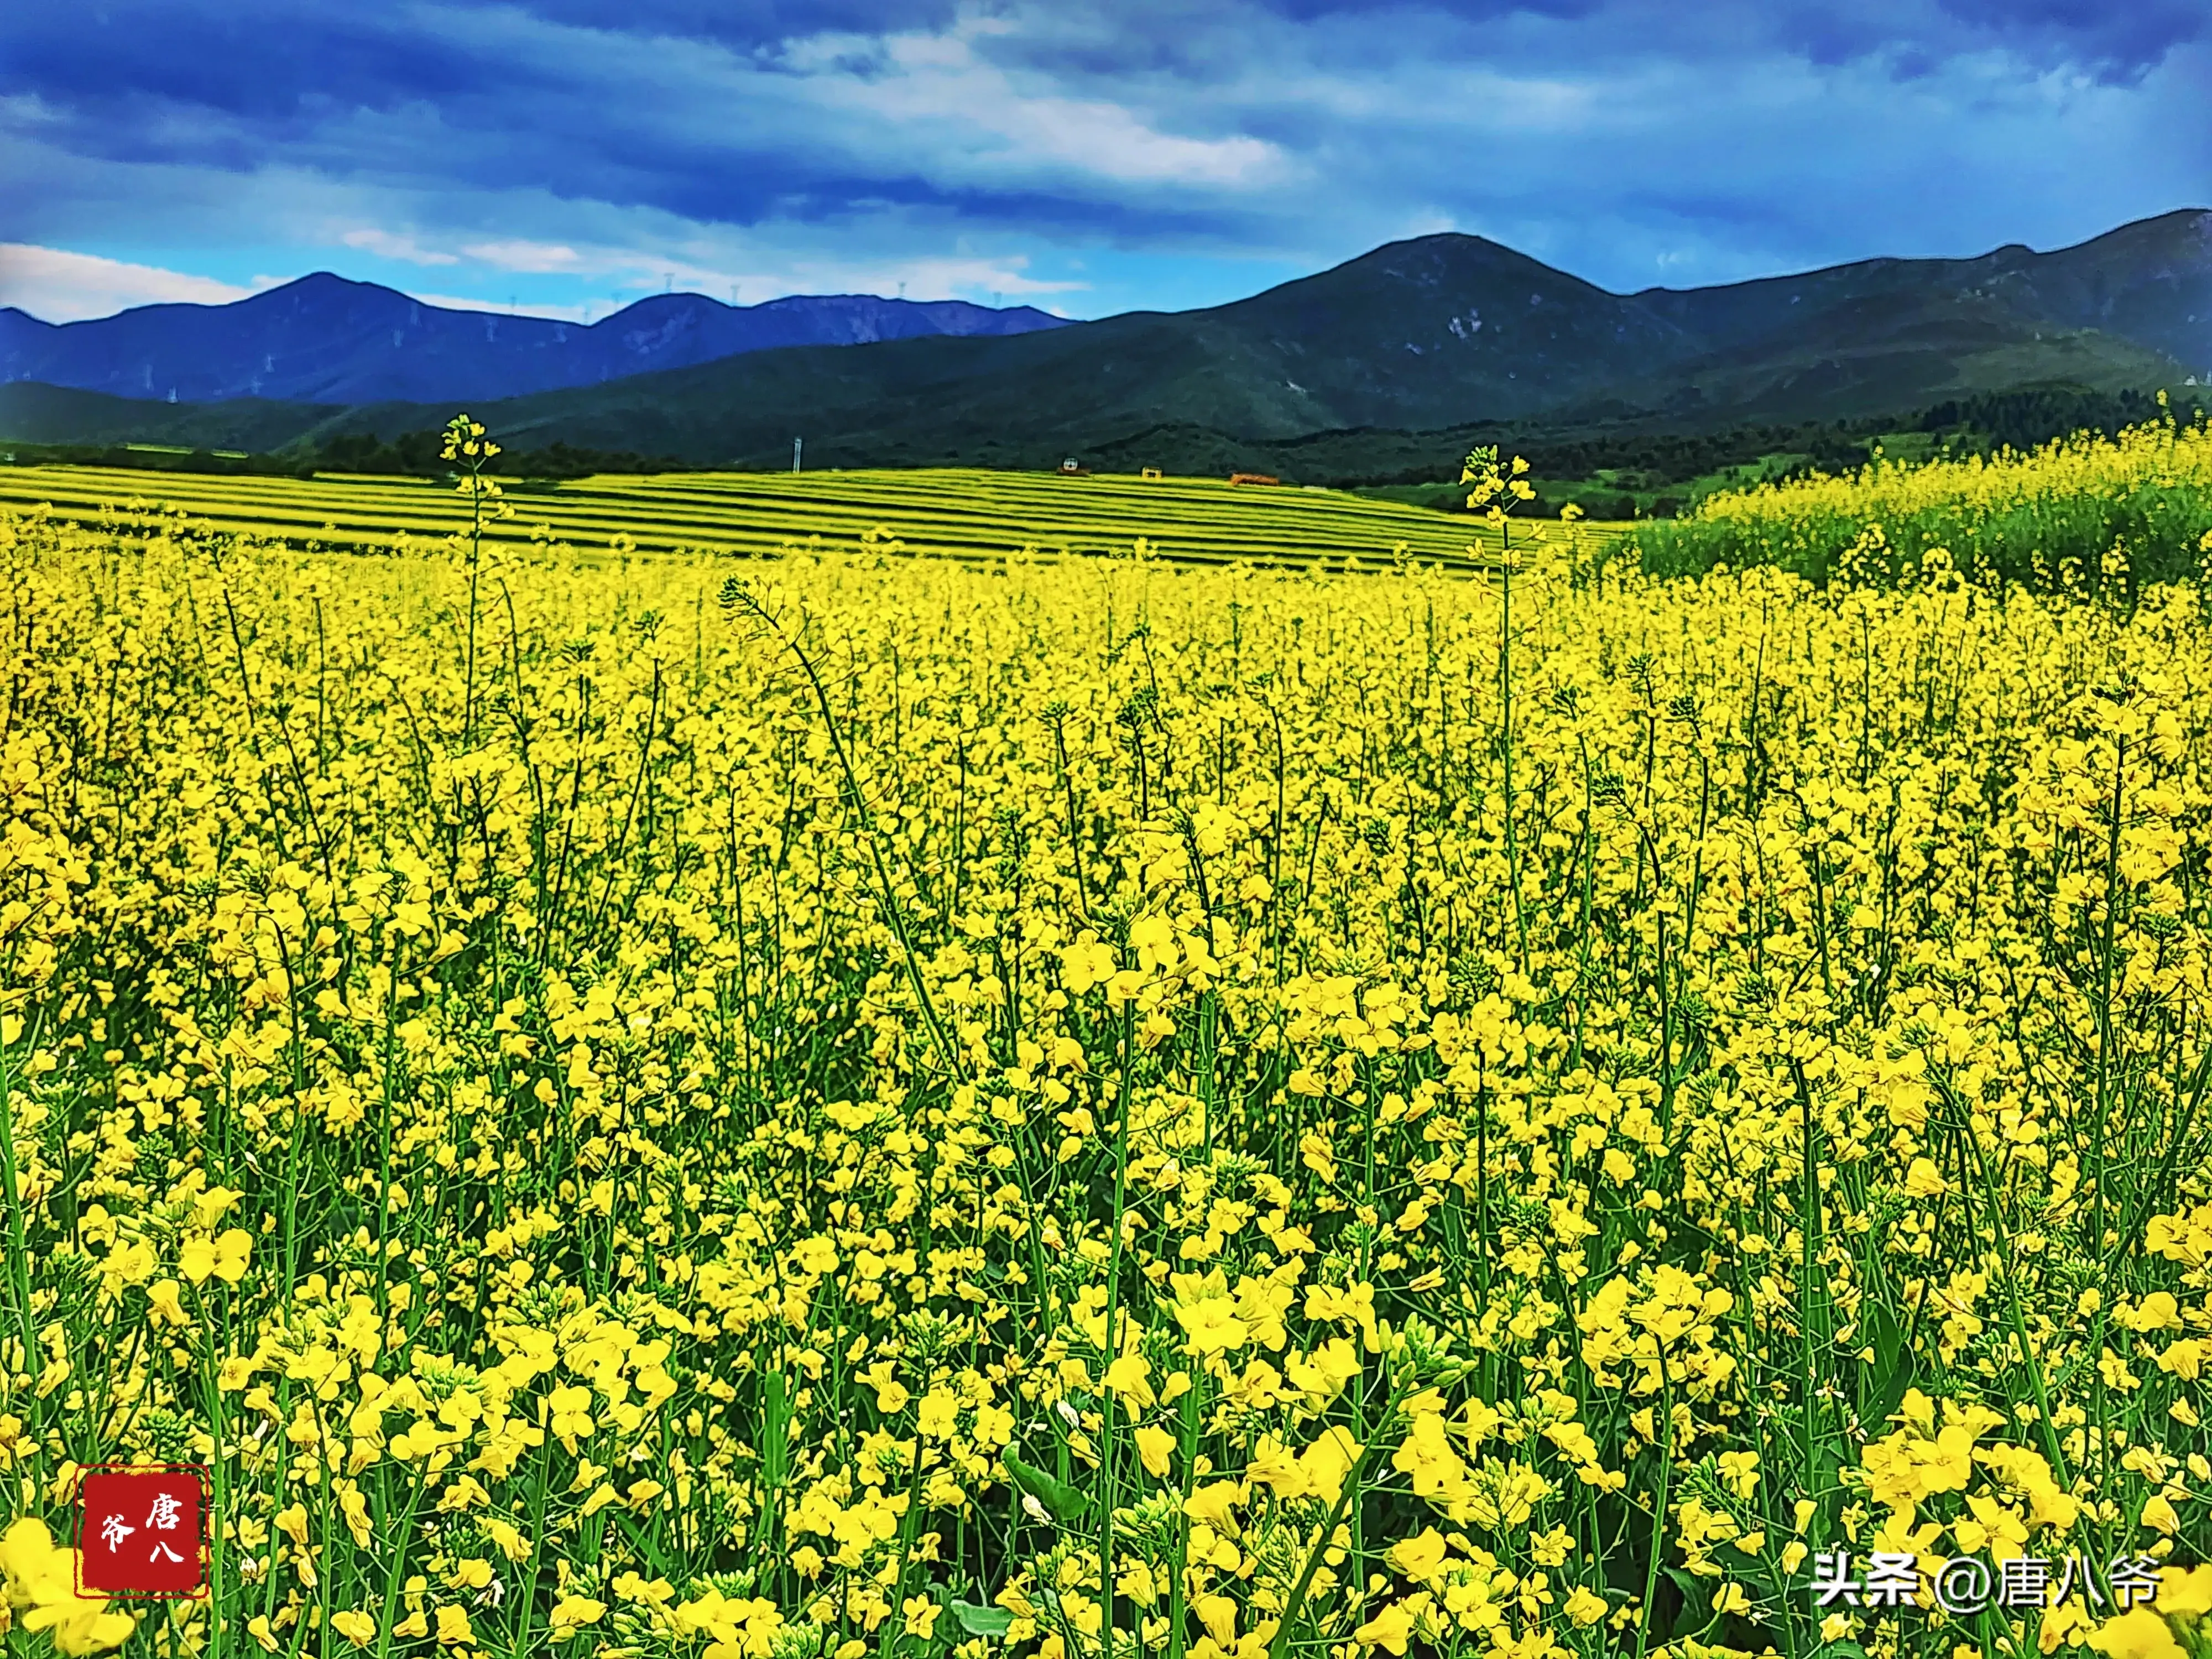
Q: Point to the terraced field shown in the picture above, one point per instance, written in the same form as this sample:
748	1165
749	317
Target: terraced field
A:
965	514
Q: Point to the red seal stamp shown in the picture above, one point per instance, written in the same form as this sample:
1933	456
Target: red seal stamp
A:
142	1529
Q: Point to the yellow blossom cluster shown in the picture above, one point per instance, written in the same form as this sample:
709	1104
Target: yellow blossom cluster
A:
832	1107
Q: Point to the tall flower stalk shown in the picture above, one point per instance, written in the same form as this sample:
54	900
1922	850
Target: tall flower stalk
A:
469	451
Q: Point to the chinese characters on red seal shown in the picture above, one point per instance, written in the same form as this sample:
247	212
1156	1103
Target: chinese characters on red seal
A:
142	1530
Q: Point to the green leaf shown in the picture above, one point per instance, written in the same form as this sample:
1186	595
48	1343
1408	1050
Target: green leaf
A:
982	1621
1061	1501
642	1542
1894	1368
1697	1595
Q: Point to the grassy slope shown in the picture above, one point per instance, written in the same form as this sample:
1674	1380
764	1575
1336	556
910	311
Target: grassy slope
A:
34	414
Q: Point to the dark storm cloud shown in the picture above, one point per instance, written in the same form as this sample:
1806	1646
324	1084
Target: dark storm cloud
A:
2110	38
1634	140
596	100
258	81
2116	39
137	62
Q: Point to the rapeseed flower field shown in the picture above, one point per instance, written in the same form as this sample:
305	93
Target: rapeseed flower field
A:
842	1105
2085	516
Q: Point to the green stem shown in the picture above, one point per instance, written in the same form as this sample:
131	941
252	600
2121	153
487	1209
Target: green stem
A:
18	1268
1296	1604
1659	1505
1505	693
892	909
1176	1588
1113	1313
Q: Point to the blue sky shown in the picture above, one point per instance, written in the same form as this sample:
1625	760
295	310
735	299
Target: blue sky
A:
570	155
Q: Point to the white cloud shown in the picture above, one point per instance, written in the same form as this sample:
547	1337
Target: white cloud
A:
537	258
512	253
631	252
930	104
760	273
386	246
60	287
754	265
757	265
999	127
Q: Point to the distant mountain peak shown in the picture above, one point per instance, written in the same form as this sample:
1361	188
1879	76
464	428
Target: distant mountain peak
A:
327	279
331	339
1455	245
2184	234
315	286
2198	218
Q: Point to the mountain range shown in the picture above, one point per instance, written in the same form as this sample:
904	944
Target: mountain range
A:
326	340
1429	333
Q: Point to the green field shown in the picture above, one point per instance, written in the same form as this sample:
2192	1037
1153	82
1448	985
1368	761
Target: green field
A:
967	514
